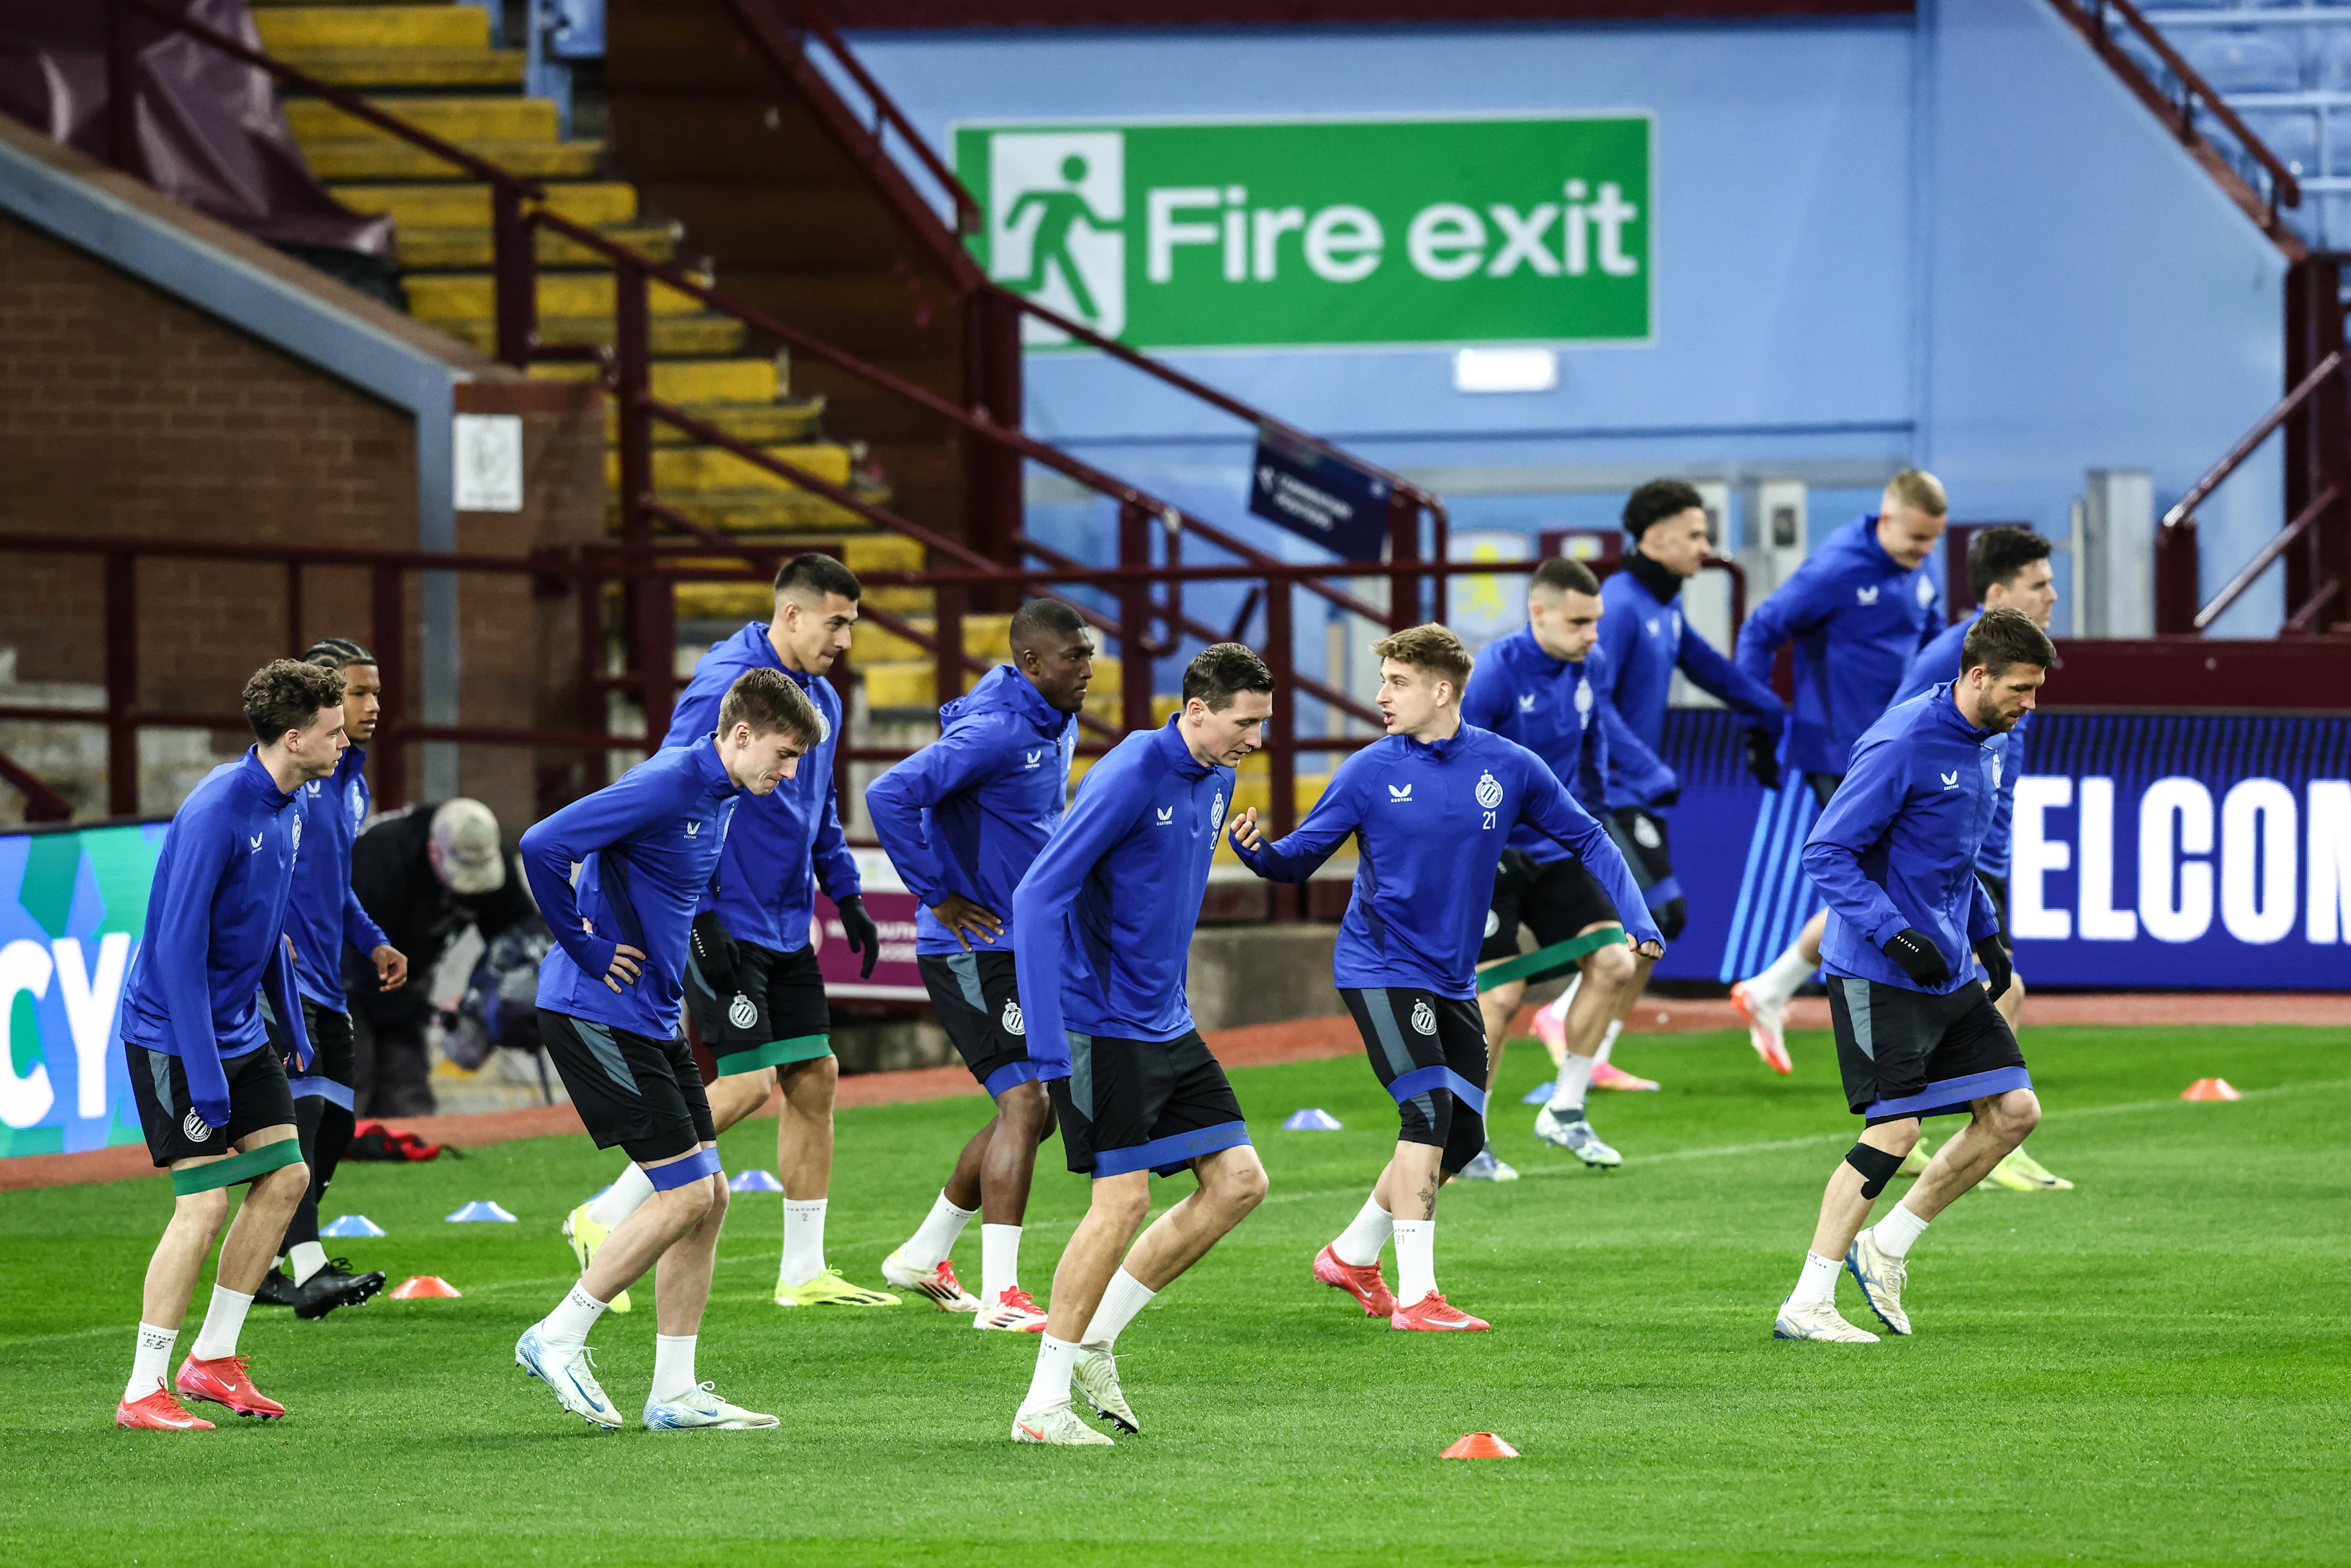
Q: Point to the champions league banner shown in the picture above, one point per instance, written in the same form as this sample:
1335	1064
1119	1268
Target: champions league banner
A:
2151	852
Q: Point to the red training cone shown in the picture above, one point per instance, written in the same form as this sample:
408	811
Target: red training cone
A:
417	1285
2209	1089
1479	1446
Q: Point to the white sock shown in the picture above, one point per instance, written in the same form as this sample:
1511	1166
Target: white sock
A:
1557	1007
568	1323
999	1261
937	1239
1779	982
803	1241
1817	1283
1897	1231
629	1189
672	1367
1416	1242
1608	1041
307	1259
1126	1297
1574	1081
1359	1244
1049	1384
151	1364
224	1321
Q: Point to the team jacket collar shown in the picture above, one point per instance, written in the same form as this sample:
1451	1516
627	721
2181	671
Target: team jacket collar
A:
1437	750
1171	745
1663	585
257	779
1947	712
711	771
1524	649
1871	550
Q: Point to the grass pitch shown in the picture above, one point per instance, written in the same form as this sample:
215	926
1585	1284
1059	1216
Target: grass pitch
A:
2152	1368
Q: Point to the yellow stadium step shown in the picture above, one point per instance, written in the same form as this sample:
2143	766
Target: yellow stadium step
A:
793	421
379	159
757	514
471	249
702	468
409	67
725	383
692	337
595	204
472	296
287	27
453	118
984	636
859	552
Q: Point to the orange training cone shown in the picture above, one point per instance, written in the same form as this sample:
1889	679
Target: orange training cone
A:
2209	1089
417	1285
1479	1446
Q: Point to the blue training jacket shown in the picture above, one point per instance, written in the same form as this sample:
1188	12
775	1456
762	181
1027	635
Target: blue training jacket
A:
1105	914
1557	710
1938	662
1857	619
1430	821
214	917
968	812
325	913
1645	638
783	845
1895	846
647	846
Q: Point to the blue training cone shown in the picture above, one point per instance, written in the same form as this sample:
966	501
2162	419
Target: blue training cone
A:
1538	1096
1311	1120
480	1211
352	1225
757	1179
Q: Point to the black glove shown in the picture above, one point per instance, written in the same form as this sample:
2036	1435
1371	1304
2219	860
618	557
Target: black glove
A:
1763	756
858	926
1993	954
713	954
1919	957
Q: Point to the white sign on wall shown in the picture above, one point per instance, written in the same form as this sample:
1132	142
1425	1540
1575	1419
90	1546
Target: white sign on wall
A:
488	452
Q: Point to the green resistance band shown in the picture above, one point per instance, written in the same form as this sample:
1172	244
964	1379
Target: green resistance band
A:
1550	957
260	1162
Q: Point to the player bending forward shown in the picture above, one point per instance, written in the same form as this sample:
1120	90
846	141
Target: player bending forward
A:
1916	1035
645	849
202	1070
963	819
1102	927
1431	808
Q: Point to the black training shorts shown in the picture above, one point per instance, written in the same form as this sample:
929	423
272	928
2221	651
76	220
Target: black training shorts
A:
1909	1053
1429	1052
642	1094
1824	787
776	1016
1556	901
257	1098
333	1061
1997	887
1145	1104
1639	834
978	1004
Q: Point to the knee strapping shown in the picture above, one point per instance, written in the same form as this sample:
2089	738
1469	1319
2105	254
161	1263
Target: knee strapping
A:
1876	1168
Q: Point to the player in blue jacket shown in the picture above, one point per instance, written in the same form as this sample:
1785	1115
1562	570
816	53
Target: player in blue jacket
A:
1542	688
1916	1035
754	987
963	819
212	1095
2008	568
1857	612
1645	639
1431	808
1101	933
323	918
617	875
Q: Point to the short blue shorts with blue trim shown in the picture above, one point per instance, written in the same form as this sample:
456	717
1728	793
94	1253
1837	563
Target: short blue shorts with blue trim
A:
1145	1104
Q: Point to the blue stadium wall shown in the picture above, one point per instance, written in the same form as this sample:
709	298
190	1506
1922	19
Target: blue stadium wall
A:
1948	238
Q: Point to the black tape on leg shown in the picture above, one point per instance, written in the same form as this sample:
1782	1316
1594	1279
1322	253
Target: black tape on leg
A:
1876	1168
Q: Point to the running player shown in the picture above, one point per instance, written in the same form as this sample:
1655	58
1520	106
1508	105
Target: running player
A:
1541	687
1646	637
2008	568
645	849
323	916
213	1099
963	819
754	986
1858	612
1431	807
1895	854
1102	927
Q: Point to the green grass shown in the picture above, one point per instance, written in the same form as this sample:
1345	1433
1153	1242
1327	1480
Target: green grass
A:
2153	1368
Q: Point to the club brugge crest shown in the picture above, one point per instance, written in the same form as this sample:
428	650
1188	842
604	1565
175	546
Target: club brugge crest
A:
196	1127
1583	701
298	835
1645	832
742	1014
1423	1016
1490	792
1012	1024
355	800
1218	813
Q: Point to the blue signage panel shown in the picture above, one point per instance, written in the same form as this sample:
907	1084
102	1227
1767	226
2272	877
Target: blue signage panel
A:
1316	496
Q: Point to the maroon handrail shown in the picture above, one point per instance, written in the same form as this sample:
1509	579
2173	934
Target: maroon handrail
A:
2202	489
813	21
